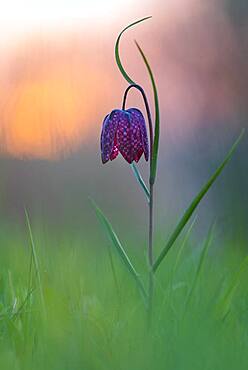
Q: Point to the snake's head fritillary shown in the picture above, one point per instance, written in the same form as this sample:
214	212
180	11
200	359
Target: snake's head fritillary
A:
124	131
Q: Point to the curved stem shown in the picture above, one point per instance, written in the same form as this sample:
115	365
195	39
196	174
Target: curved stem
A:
151	183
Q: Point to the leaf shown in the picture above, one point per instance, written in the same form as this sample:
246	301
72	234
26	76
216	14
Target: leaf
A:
177	259
194	204
182	246
157	117
117	54
200	264
34	258
140	181
223	307
118	247
23	303
155	94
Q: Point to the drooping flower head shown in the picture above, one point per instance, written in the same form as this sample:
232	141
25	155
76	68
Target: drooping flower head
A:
124	131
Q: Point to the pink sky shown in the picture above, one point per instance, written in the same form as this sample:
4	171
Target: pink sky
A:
58	77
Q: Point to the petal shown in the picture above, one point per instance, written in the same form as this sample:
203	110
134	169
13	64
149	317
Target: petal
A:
140	139
124	137
136	139
108	135
138	154
115	150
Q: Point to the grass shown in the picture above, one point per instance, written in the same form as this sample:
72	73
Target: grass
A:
94	317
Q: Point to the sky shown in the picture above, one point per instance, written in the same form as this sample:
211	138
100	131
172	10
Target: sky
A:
58	77
58	80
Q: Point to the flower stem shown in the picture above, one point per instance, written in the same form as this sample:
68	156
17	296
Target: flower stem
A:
151	182
149	117
150	256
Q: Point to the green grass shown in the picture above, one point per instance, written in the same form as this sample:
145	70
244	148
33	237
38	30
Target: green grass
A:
82	310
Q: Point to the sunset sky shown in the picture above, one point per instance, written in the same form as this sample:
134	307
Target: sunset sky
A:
58	77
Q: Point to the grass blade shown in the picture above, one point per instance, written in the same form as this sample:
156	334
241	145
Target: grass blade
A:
157	117
118	247
200	264
140	181
113	271
194	204
180	251
23	304
35	260
223	307
169	297
117	53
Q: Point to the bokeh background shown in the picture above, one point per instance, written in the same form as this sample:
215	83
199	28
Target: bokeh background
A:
58	80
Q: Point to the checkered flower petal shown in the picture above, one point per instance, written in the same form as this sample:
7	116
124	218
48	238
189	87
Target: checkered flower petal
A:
124	131
109	148
141	141
124	138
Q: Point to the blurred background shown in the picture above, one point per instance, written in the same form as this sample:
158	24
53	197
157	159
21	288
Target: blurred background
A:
58	80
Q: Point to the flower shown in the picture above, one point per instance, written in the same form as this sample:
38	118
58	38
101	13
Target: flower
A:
124	131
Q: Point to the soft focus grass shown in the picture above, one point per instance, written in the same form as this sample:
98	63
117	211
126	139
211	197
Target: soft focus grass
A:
87	315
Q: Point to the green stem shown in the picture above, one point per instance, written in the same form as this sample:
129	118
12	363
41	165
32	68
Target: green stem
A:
150	255
151	182
148	112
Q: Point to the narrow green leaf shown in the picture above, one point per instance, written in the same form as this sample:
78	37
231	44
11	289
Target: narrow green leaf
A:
155	93
35	261
224	305
157	117
117	53
33	248
200	264
23	303
180	251
140	181
118	247
194	204
113	270
177	259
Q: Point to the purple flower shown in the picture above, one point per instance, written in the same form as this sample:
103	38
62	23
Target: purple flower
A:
124	131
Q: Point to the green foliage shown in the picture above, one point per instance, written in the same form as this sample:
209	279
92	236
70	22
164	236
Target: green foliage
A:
118	247
140	180
33	261
157	118
223	308
89	324
188	213
200	265
117	52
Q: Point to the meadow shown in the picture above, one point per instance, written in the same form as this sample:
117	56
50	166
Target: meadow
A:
67	305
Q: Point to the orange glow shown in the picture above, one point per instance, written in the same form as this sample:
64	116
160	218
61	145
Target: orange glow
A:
45	116
58	79
51	104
